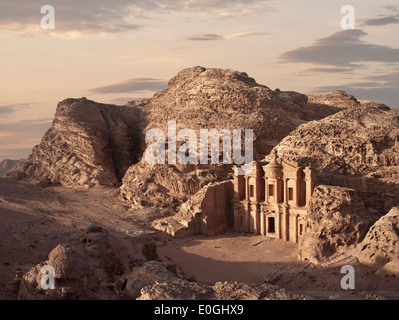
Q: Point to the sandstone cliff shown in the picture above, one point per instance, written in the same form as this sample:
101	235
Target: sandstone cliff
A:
336	221
89	143
92	143
199	98
356	148
207	212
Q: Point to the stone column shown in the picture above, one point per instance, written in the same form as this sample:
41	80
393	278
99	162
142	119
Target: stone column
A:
266	190
257	225
278	222
296	193
248	218
247	195
293	228
285	187
262	223
285	226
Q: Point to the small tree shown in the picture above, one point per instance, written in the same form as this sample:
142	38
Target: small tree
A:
149	251
111	265
171	210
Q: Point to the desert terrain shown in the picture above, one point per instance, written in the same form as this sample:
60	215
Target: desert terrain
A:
33	221
322	194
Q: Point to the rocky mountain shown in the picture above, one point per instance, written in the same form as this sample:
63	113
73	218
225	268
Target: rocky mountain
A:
356	148
8	165
89	143
340	99
92	143
199	98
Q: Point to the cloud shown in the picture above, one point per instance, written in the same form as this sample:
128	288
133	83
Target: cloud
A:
9	109
81	17
213	36
380	88
330	70
71	16
342	49
133	85
382	21
390	18
206	37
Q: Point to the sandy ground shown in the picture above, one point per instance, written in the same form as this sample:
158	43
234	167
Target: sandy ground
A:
255	259
33	221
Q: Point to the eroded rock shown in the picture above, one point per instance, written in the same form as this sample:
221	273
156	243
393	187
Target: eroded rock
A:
96	240
199	98
381	244
208	212
356	148
74	278
89	144
336	222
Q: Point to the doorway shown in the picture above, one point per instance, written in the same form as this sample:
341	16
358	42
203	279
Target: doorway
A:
271	225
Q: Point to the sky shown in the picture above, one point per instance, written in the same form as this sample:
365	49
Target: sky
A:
120	50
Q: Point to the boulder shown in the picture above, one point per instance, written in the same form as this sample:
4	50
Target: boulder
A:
391	269
336	222
381	244
74	278
96	240
151	272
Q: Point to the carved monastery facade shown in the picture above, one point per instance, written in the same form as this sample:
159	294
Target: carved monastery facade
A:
273	199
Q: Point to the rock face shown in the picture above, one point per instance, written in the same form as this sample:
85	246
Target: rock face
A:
341	99
155	281
161	185
92	143
337	221
74	279
199	98
391	269
7	166
356	148
380	245
96	241
180	289
207	212
89	144
86	268
149	273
